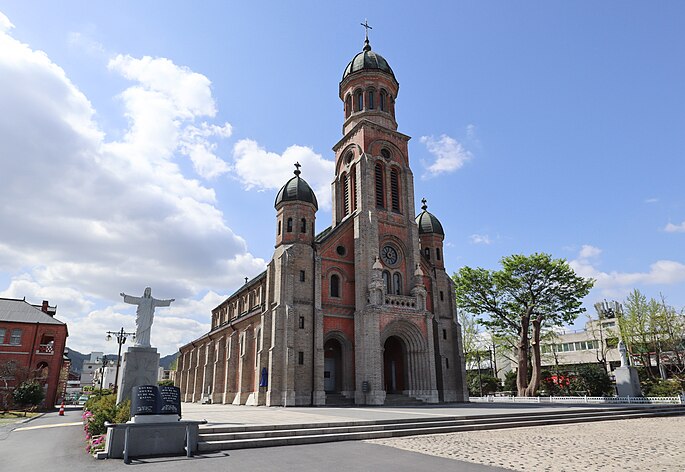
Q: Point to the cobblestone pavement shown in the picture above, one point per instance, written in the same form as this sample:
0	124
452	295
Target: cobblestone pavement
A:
645	445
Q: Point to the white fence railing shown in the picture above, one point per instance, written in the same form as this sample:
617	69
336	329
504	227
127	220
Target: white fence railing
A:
629	400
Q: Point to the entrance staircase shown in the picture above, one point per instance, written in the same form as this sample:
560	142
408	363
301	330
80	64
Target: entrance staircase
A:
214	438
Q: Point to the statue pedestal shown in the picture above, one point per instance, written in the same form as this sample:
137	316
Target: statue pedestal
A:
139	367
627	382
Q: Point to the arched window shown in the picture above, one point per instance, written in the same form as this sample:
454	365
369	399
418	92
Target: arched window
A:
251	301
348	106
380	197
289	225
397	283
427	253
371	103
437	253
386	282
303	225
279	227
395	190
381	104
359	101
335	286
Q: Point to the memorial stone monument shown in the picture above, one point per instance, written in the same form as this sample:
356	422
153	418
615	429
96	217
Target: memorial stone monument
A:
141	361
627	380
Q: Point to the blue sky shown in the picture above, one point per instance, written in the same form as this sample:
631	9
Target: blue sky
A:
142	143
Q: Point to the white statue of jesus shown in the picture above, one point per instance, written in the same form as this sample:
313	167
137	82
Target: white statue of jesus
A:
144	314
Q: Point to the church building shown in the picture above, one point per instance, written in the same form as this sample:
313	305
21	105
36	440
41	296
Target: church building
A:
362	312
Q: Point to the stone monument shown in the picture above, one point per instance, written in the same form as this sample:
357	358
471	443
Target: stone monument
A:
627	380
141	361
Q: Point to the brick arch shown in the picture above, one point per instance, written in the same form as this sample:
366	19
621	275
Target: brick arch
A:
408	332
347	361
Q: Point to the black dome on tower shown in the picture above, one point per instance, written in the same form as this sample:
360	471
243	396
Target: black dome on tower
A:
296	189
368	60
427	221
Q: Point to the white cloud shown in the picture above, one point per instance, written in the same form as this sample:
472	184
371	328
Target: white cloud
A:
671	228
449	154
5	23
589	252
86	44
651	200
615	284
87	217
260	169
480	239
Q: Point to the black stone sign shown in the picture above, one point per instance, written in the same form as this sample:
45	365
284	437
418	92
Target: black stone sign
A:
169	401
154	400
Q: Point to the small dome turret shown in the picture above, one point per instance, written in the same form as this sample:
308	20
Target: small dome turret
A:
368	60
296	189
428	223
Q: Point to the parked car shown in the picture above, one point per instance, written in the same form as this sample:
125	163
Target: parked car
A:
82	400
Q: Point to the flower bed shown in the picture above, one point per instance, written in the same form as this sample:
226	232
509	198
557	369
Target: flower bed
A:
97	411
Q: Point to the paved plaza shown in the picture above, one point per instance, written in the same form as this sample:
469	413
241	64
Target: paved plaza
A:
647	444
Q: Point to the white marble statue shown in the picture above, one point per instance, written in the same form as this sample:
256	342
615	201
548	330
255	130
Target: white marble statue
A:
144	314
623	352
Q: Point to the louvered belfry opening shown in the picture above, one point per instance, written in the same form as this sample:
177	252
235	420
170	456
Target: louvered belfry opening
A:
395	190
346	194
380	201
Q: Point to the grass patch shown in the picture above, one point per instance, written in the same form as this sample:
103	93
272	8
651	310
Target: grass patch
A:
15	415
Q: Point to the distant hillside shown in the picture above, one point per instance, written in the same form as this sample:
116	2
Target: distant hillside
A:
77	359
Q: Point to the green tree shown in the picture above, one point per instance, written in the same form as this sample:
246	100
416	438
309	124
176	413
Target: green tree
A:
654	331
592	380
530	292
28	394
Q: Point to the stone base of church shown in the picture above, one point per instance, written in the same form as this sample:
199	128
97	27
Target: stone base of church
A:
428	396
319	398
374	397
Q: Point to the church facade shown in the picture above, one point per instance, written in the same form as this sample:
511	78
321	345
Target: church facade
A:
364	311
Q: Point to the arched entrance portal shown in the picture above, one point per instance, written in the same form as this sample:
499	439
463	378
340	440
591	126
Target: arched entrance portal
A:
332	366
393	365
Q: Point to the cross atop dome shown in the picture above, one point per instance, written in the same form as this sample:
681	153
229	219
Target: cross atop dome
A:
424	207
297	168
367	46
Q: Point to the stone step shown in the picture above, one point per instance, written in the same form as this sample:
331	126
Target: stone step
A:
277	435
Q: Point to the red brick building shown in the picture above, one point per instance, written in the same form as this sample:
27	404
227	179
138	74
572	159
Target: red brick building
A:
362	312
32	345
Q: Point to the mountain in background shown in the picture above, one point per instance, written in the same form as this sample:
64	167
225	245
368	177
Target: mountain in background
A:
78	358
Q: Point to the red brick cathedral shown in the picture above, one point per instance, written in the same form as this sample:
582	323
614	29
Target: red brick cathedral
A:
363	312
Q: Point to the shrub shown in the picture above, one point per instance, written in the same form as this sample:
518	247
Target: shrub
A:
510	382
663	388
592	380
166	383
100	409
28	394
490	384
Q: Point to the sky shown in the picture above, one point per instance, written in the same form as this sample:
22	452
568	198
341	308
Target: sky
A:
143	143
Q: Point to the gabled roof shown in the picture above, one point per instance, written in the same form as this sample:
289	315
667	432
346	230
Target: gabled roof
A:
22	312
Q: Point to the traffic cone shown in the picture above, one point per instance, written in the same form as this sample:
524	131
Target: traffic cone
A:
61	409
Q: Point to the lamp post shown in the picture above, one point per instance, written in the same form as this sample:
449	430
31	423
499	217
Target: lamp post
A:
102	372
121	339
480	381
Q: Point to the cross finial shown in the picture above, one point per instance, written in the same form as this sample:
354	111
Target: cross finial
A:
424	207
367	46
246	279
297	168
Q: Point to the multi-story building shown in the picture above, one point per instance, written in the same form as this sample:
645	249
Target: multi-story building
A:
32	343
364	309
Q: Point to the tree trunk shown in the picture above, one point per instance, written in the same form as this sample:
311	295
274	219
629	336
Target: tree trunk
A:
522	372
537	361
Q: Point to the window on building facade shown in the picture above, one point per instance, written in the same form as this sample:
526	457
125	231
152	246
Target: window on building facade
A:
359	106
371	101
15	337
380	197
335	286
300	358
2	335
442	296
303	225
437	253
346	195
395	190
348	106
381	103
444	334
301	322
279	227
386	281
302	276
397	283
427	253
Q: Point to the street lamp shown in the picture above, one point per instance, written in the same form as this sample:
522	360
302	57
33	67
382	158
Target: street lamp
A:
121	339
